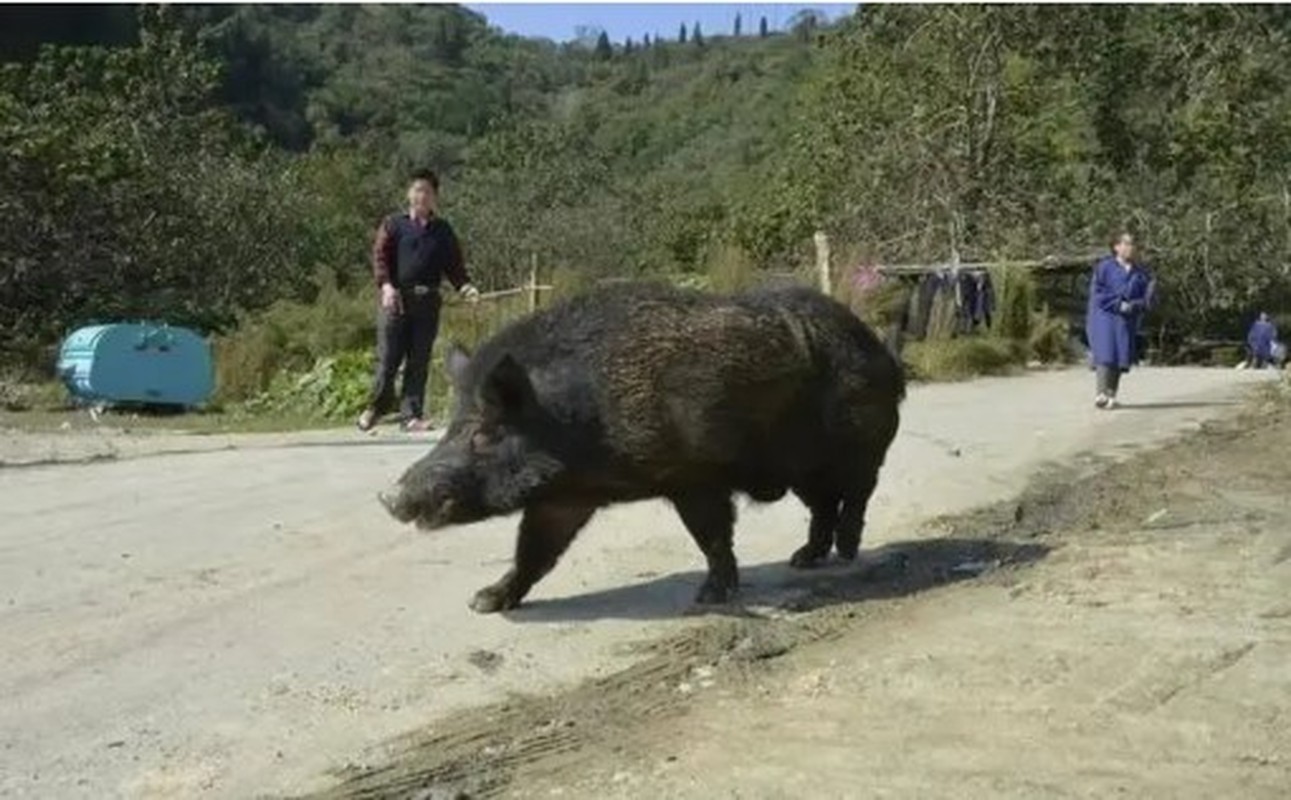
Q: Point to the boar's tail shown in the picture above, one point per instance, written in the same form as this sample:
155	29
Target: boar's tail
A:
895	341
887	373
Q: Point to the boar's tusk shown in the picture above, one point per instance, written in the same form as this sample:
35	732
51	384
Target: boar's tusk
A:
387	502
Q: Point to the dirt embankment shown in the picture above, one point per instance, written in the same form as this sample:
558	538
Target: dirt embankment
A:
1119	630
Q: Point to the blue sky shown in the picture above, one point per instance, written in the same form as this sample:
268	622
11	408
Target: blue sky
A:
620	20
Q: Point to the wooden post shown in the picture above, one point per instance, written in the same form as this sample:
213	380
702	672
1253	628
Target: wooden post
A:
822	262
533	282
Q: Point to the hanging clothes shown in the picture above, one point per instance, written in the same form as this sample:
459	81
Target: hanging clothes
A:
983	299
911	313
921	304
967	286
943	318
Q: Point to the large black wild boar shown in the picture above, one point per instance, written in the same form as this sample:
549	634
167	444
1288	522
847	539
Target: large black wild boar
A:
642	391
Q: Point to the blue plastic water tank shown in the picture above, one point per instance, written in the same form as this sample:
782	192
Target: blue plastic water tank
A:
137	363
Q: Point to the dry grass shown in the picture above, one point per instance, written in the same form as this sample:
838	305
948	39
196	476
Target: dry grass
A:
1015	292
730	269
961	359
1048	340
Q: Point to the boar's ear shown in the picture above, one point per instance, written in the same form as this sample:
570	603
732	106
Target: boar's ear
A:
455	363
507	390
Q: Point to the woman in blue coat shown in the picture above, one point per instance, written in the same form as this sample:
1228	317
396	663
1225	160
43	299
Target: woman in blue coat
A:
1119	293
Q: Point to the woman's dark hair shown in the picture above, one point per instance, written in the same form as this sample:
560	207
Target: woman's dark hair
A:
427	175
1116	237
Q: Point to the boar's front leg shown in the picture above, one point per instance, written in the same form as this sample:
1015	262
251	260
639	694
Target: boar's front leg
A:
710	518
546	529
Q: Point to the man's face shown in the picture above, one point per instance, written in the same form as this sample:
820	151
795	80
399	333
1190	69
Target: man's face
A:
1125	248
422	197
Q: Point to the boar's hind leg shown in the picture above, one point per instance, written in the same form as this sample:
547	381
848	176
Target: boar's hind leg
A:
546	529
823	505
851	520
710	518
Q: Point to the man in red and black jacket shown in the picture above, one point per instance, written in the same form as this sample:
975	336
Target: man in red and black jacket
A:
413	253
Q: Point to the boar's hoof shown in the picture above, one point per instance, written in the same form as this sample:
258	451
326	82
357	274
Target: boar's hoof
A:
713	593
807	557
492	599
846	552
767	494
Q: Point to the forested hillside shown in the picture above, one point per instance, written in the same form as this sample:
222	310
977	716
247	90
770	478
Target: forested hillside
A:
195	163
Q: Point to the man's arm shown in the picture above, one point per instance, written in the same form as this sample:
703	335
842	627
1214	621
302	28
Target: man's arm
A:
383	254
455	270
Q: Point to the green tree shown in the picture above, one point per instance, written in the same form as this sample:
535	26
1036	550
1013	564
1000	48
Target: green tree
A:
130	195
738	22
906	132
29	27
604	50
1067	122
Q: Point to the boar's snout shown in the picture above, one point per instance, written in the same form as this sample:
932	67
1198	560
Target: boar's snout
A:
389	499
429	509
440	490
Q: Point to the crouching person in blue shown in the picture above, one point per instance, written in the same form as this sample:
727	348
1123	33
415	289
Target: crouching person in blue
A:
1119	294
1261	340
413	254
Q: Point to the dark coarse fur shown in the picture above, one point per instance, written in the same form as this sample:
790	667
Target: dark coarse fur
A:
642	391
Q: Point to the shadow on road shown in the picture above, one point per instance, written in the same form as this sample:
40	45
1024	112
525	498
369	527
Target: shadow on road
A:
896	570
407	441
1173	405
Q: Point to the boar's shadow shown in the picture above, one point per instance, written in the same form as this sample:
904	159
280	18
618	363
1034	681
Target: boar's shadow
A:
895	570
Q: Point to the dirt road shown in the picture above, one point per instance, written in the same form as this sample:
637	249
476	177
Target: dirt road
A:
1121	634
238	621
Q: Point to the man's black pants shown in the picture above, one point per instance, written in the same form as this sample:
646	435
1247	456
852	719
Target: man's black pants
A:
405	337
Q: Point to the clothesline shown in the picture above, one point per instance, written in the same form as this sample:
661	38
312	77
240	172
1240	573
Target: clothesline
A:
1049	263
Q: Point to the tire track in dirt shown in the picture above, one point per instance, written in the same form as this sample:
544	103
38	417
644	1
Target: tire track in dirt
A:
481	753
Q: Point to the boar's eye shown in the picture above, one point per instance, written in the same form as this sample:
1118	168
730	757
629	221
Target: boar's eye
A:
481	441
